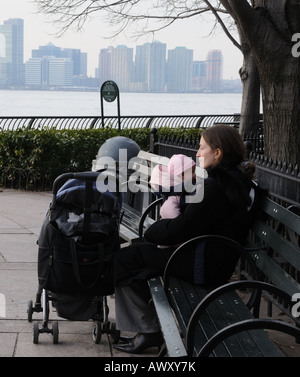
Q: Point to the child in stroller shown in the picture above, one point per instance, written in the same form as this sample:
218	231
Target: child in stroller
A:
77	243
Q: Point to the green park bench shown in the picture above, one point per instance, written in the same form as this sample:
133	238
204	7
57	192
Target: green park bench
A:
226	321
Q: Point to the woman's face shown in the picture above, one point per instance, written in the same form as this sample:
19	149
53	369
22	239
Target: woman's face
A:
208	157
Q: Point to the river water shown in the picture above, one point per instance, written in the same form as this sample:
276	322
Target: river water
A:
67	103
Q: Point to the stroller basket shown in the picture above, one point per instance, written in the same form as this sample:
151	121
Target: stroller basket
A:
77	243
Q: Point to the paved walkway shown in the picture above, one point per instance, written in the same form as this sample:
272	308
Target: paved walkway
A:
21	216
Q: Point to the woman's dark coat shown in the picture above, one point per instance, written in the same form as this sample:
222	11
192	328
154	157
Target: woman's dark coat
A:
226	209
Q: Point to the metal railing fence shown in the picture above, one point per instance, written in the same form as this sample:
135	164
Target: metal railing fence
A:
14	123
281	178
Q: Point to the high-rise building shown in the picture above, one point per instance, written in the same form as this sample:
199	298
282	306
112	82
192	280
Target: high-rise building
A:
214	71
47	50
83	63
122	66
199	68
179	70
150	66
142	66
104	65
49	71
12	52
199	76
60	72
157	70
116	63
75	55
33	72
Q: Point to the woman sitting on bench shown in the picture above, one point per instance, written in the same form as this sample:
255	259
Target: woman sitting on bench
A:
228	208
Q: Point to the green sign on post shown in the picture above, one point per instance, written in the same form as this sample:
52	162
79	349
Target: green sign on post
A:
110	91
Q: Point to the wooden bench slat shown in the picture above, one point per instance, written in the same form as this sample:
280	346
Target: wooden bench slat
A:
275	273
183	311
229	309
242	344
151	160
186	298
154	158
261	343
286	217
219	316
126	234
278	243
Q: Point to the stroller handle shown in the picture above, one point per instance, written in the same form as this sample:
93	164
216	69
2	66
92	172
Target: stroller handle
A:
84	176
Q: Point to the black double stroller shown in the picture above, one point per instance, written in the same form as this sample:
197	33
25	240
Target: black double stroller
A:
77	241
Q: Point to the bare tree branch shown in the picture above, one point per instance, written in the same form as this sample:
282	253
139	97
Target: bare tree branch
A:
215	13
145	16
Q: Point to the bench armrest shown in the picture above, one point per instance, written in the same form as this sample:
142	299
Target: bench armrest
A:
146	213
248	324
173	341
213	295
194	241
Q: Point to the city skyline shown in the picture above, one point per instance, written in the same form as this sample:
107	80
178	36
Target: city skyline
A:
193	33
151	67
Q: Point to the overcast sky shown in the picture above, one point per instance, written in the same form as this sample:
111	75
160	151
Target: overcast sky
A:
192	34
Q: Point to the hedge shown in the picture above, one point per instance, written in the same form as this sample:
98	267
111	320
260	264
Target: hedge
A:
51	152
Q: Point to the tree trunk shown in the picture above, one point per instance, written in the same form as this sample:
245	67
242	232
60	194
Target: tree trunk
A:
281	108
268	27
250	111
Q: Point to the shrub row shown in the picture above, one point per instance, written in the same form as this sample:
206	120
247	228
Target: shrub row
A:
50	152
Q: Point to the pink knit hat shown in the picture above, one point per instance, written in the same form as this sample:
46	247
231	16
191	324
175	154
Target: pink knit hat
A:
160	177
179	163
166	176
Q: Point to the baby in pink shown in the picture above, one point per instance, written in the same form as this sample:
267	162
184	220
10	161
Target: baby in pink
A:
180	169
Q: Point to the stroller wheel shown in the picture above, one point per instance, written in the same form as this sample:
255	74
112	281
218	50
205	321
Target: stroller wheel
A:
115	334
97	332
36	332
29	311
55	332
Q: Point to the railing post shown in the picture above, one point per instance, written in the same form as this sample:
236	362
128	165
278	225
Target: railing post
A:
31	123
148	124
93	122
153	139
199	121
